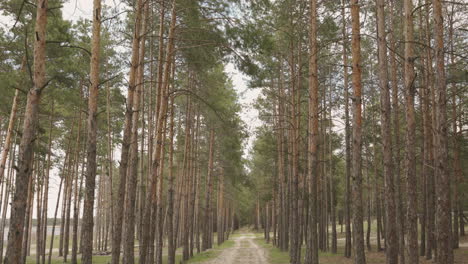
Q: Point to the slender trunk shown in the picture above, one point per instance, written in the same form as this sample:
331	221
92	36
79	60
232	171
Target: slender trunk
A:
207	214
347	252
8	190
443	212
18	208
132	172
126	140
457	170
311	256
9	133
387	150
170	195
88	221
161	120
411	180
396	128
332	182
358	234
46	188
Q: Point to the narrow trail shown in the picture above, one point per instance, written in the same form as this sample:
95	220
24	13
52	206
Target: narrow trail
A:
245	251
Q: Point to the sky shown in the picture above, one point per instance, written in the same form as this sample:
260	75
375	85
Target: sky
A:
76	9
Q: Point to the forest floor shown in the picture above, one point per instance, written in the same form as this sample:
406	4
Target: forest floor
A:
275	256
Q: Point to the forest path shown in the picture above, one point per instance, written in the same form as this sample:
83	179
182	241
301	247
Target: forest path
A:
245	251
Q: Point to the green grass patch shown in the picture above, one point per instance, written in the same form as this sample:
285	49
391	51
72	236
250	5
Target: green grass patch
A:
275	256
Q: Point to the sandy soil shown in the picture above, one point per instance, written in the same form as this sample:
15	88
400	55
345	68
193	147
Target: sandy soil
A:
245	251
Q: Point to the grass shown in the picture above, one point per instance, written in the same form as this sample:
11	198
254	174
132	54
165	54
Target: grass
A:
276	256
200	257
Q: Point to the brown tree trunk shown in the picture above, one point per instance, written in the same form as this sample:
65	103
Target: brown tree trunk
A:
358	236
126	140
132	172
18	208
88	221
161	120
75	209
170	194
443	212
396	128
347	195
411	180
207	214
46	188
457	169
387	151
311	256
9	133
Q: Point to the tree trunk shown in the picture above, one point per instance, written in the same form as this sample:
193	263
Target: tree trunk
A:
9	133
161	119
126	140
457	169
387	151
132	172
75	209
358	236
311	256
411	180
396	128
443	212
347	195
18	208
170	195
88	221
207	214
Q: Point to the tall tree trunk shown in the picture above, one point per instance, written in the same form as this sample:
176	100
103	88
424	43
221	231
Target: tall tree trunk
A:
311	256
207	214
387	151
332	182
9	133
411	180
358	232
170	195
130	200
161	120
347	195
457	170
443	213
126	140
75	209
396	128
88	221
18	208
46	188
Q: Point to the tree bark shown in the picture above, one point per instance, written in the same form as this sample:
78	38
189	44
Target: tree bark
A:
411	180
396	128
88	221
161	119
387	151
9	133
130	200
443	212
358	236
347	195
207	214
18	208
311	256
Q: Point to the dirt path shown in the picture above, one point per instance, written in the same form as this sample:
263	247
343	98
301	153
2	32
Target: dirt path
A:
245	251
